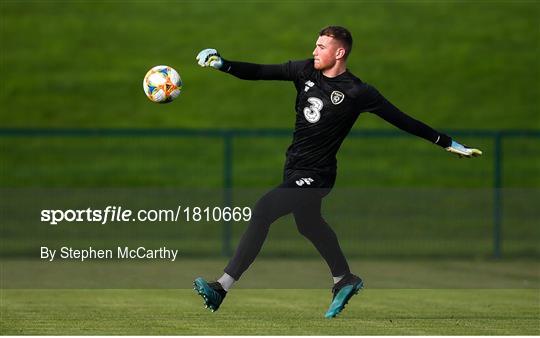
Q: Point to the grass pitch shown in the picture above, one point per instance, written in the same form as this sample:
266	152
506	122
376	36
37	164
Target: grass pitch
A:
271	311
402	297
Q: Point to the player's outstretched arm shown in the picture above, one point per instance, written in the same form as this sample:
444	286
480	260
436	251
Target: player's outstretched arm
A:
463	151
250	71
381	106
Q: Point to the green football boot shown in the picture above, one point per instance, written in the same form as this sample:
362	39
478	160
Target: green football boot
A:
212	293
343	291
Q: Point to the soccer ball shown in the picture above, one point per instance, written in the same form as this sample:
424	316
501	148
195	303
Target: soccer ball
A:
162	84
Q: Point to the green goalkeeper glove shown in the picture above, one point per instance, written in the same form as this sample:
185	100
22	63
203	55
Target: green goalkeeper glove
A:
209	58
463	151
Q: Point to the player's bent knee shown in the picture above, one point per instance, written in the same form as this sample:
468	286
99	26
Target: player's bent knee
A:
312	226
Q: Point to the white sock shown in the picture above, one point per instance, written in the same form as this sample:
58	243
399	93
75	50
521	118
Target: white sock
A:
226	281
337	279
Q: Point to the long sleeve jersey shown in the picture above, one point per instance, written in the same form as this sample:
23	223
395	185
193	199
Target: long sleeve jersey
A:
326	109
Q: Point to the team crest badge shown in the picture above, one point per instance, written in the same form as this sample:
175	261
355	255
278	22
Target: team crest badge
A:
337	97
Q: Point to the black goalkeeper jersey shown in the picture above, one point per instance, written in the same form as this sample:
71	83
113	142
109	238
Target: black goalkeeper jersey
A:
326	109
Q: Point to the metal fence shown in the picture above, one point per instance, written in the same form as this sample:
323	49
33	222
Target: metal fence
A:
228	136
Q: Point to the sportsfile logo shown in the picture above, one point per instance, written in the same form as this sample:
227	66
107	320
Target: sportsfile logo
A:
121	214
302	181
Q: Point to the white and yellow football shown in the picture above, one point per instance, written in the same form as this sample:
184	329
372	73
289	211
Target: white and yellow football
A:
162	84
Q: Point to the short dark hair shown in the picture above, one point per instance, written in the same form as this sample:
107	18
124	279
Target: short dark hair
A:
341	34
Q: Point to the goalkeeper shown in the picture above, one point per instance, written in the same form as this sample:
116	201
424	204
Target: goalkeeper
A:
328	102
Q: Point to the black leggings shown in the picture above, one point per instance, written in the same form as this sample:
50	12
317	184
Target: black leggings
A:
300	193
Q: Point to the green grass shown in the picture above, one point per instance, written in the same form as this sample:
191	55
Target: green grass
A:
422	297
268	273
268	311
451	64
